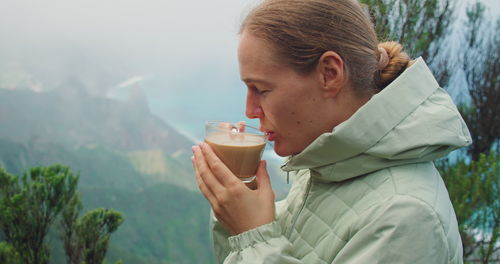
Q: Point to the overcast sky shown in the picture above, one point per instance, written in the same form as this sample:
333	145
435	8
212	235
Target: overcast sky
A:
142	35
173	34
181	51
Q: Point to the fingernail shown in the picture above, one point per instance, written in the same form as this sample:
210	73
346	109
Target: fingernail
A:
193	148
203	144
192	158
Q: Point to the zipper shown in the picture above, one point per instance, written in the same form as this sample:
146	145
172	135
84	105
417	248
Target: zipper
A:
306	195
287	172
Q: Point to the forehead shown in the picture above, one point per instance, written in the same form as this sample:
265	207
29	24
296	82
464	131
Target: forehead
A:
256	57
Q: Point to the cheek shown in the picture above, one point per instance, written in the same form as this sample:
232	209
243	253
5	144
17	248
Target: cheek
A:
289	114
298	121
293	121
305	114
291	111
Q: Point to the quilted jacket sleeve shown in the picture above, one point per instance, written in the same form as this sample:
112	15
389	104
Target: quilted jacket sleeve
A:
264	244
403	229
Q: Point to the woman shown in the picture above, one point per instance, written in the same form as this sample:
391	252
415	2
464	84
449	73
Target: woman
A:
361	125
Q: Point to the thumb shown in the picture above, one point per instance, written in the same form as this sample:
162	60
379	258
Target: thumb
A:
263	179
241	126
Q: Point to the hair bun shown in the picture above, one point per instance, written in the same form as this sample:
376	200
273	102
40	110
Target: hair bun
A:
398	62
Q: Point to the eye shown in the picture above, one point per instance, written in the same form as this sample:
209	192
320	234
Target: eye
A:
258	91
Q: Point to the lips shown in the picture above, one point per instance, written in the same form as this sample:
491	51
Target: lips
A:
270	134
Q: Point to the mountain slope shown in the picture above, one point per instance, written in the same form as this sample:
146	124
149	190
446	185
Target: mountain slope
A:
127	159
164	223
77	119
74	120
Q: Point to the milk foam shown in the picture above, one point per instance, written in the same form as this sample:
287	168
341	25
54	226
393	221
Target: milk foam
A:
235	139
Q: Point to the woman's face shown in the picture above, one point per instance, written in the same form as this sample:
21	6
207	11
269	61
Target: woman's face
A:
291	107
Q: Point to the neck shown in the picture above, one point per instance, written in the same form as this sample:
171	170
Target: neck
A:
347	103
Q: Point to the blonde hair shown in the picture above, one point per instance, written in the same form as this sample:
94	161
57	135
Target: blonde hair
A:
300	31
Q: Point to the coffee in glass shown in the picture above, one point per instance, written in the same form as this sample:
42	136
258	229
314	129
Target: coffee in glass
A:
239	146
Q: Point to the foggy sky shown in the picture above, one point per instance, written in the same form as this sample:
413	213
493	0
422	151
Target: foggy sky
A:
182	52
113	40
118	39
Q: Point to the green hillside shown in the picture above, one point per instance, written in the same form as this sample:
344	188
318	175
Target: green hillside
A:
128	160
164	223
73	118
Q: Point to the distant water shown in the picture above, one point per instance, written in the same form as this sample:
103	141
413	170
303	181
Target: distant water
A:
188	114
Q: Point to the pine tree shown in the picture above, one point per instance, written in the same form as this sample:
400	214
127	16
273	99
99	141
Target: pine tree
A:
94	231
474	189
421	26
86	238
481	66
8	254
29	206
473	181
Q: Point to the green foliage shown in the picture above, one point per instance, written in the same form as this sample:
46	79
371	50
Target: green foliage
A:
420	25
8	254
72	245
86	239
474	188
164	223
480	63
94	231
30	204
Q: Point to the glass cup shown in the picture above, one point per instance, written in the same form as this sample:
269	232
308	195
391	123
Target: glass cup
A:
237	145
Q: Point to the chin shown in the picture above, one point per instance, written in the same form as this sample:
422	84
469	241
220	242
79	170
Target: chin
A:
282	151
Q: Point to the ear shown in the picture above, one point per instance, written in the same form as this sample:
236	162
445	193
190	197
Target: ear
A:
331	72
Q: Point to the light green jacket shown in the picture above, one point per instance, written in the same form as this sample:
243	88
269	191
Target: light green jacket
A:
368	192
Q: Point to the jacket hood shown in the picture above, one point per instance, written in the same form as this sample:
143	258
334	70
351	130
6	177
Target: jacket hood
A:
411	120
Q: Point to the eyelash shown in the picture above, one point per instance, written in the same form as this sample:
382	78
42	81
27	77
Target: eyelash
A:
257	91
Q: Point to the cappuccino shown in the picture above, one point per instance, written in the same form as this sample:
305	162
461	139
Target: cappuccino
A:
241	152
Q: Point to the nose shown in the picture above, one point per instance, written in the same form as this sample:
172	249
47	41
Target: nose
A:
253	107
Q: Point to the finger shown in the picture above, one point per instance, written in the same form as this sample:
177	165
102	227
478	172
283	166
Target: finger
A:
212	200
220	170
211	182
241	126
263	179
201	184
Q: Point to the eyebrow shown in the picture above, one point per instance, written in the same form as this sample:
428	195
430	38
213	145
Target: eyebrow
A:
252	80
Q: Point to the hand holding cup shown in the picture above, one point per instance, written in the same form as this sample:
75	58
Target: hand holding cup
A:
237	207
